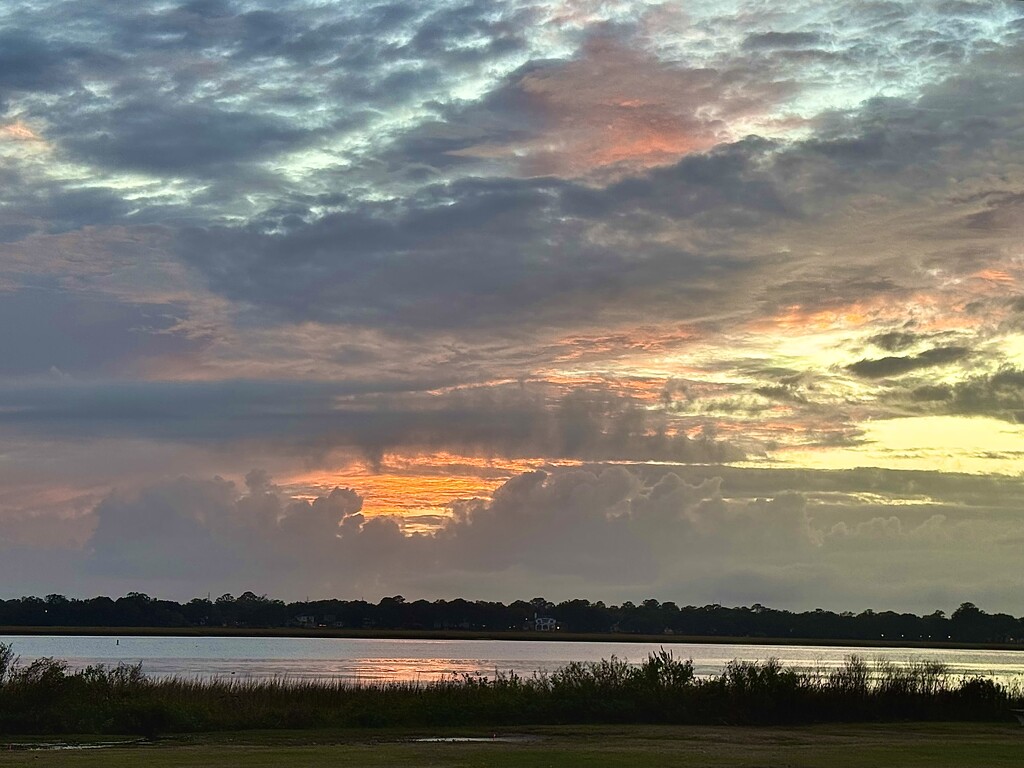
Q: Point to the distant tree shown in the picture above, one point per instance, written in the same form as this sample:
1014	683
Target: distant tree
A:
968	623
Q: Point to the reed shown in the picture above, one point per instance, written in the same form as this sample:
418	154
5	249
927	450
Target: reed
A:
45	697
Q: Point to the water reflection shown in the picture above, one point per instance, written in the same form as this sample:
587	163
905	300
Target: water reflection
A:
367	660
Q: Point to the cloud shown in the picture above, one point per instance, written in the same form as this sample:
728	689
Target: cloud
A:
393	210
499	251
221	92
608	525
719	227
178	139
894	341
314	417
185	528
783	40
1000	394
28	63
167	529
80	334
600	532
1003	209
897	366
383	224
611	105
928	393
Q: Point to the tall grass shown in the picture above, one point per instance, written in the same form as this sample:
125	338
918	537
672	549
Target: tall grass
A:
45	697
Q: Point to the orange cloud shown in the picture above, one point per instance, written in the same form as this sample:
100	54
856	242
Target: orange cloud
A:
620	344
942	310
410	486
995	276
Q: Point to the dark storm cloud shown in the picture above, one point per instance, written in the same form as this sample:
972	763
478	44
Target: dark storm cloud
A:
29	206
29	63
153	135
54	331
375	419
61	210
971	110
1000	395
53	209
781	393
488	252
223	410
895	341
897	366
931	393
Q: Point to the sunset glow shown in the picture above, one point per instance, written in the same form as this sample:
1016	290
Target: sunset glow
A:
600	299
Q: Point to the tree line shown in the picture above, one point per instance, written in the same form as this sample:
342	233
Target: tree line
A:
967	623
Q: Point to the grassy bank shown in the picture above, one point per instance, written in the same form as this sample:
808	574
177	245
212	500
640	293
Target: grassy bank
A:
954	745
460	634
44	697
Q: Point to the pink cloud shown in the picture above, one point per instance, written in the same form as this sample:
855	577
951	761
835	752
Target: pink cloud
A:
619	110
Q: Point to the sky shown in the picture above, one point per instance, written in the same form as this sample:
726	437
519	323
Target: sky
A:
705	301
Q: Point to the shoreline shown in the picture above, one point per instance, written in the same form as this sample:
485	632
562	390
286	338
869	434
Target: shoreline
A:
511	635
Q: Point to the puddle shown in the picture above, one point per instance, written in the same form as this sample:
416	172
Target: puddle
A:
60	746
477	740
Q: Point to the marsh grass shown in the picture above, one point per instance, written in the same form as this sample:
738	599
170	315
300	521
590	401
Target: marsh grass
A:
46	697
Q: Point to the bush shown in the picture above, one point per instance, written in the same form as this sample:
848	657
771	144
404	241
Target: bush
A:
7	661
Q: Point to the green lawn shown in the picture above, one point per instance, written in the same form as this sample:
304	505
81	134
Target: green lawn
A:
946	745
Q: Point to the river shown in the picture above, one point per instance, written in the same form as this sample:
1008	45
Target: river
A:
364	659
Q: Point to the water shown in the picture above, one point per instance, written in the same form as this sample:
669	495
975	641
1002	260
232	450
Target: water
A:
365	660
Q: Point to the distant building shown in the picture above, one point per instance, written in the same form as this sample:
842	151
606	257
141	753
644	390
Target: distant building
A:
306	620
545	624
